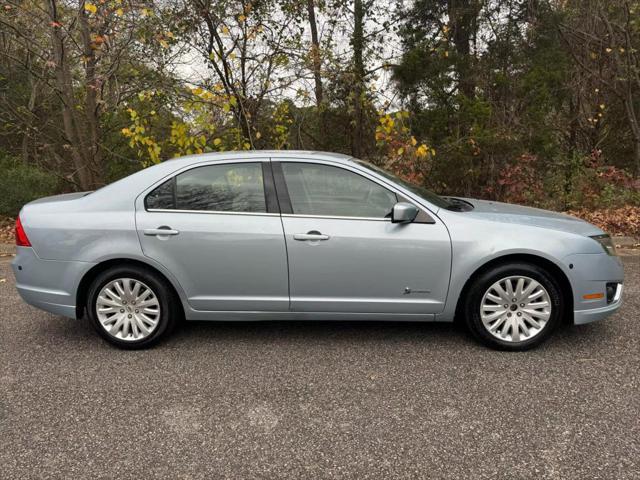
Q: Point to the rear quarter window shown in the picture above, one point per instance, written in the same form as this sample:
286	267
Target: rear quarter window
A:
162	197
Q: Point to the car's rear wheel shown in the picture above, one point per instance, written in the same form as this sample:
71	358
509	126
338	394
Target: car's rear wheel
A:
514	307
131	307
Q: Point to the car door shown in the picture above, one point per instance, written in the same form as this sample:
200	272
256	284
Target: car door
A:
345	254
217	228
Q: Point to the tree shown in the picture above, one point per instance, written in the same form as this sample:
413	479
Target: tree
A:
82	64
604	39
247	46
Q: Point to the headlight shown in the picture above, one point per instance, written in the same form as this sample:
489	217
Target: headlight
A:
607	243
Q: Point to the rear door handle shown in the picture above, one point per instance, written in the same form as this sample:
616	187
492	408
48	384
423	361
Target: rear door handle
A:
160	231
310	236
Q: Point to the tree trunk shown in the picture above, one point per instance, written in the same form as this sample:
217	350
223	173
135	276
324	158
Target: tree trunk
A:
64	88
26	139
315	52
357	43
463	17
91	148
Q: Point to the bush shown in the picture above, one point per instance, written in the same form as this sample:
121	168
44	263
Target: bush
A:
20	183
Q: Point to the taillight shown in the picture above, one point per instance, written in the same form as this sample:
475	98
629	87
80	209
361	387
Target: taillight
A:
21	236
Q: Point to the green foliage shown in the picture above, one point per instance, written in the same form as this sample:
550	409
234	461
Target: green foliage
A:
21	183
523	101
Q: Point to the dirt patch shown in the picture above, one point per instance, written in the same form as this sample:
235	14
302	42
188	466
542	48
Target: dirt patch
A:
7	233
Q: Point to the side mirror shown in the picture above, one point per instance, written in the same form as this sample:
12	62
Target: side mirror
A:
403	213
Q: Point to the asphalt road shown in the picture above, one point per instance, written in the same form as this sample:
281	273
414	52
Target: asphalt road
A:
317	400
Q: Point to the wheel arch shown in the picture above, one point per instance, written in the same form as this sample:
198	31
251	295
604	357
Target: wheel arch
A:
93	272
554	269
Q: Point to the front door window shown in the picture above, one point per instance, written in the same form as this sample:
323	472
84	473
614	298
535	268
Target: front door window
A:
316	189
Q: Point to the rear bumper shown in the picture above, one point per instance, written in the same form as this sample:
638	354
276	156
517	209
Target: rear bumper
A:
590	274
50	285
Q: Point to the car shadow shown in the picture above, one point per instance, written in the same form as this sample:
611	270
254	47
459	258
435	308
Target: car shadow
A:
318	331
304	333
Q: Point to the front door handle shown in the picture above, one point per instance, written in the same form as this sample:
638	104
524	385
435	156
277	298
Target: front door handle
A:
313	235
160	231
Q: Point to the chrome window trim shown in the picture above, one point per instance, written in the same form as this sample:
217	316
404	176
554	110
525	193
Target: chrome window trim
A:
213	212
335	217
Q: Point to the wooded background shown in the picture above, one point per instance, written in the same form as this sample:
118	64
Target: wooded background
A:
527	101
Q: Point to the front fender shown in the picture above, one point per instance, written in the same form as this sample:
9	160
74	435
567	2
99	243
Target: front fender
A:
477	242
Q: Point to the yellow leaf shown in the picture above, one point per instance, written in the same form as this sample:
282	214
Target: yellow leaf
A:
226	107
119	12
90	7
241	18
400	151
413	141
217	141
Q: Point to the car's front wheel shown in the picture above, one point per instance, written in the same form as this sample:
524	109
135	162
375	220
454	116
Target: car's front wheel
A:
514	306
131	307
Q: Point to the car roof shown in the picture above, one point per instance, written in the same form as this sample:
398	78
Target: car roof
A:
245	154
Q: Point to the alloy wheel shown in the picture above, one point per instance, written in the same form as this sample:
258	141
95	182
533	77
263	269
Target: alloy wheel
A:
515	309
128	309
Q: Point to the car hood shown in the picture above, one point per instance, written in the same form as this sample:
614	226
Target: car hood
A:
536	217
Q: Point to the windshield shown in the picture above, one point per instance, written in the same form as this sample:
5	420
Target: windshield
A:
428	195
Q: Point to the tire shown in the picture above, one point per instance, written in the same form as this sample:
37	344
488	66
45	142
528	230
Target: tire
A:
114	292
498	322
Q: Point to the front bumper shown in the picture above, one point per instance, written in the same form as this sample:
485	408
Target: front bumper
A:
580	317
589	274
49	285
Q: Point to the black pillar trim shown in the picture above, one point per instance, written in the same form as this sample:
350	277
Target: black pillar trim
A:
270	195
281	188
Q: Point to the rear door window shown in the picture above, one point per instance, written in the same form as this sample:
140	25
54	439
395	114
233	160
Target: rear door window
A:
231	187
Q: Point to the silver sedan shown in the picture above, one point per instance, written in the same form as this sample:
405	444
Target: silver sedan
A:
304	235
